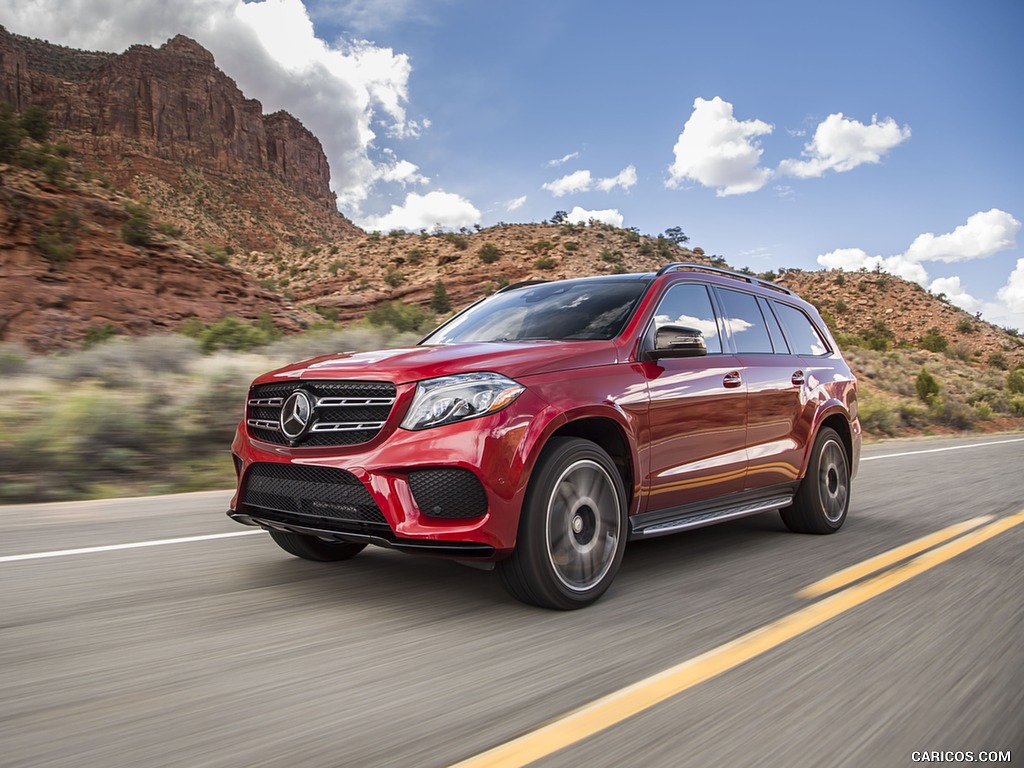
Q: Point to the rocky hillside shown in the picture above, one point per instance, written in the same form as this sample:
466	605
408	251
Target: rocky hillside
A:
159	121
67	272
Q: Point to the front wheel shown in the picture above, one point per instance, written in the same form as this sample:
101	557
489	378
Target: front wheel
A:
572	530
312	548
821	502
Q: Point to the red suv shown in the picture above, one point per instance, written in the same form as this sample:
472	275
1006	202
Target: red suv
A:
546	425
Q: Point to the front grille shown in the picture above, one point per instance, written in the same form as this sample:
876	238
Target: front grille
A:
448	493
319	496
344	412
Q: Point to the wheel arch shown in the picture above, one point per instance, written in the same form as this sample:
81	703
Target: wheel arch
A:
613	439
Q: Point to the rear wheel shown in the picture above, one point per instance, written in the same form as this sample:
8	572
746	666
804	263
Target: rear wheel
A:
572	530
312	548
821	502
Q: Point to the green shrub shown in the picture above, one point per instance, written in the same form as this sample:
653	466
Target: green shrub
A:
36	123
927	386
544	262
138	228
231	334
998	360
1015	381
877	416
461	242
401	317
11	134
393	277
933	341
98	334
965	325
440	302
489	253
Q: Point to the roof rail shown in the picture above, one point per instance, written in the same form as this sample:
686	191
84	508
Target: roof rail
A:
684	265
522	284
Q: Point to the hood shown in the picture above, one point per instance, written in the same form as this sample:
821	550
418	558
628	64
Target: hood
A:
408	364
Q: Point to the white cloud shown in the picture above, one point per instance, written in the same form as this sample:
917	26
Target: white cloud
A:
955	293
840	144
582	216
625	179
340	91
581	181
1012	294
516	204
717	150
577	181
853	259
563	160
433	209
984	234
401	172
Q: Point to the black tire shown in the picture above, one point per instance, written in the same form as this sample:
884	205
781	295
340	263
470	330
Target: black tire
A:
572	529
312	548
823	498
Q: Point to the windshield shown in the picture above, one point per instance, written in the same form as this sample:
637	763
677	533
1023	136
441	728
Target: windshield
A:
563	310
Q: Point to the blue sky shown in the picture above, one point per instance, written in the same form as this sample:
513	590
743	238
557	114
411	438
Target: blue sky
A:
775	134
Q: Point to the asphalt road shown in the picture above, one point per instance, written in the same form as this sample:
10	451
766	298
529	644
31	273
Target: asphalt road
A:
229	652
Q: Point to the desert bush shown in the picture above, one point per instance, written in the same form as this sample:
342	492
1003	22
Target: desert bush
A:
461	242
1015	381
877	416
544	262
933	341
402	317
393	277
231	333
440	302
998	360
488	253
927	386
138	228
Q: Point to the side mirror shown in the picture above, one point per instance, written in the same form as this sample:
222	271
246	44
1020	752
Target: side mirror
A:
677	341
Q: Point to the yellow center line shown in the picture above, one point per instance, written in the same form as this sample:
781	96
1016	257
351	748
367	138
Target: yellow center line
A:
884	560
627	702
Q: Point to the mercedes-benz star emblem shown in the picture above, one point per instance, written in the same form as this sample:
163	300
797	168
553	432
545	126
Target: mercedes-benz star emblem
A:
296	413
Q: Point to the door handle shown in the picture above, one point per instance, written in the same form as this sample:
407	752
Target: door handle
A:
798	379
732	380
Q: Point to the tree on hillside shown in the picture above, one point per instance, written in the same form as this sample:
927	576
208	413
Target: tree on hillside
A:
560	217
440	303
676	235
36	123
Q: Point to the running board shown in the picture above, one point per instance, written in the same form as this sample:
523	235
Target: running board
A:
701	519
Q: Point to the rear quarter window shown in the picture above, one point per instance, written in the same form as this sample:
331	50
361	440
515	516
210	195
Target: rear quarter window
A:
803	337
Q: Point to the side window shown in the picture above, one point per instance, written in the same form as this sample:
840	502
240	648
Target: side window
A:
689	305
778	340
804	338
745	322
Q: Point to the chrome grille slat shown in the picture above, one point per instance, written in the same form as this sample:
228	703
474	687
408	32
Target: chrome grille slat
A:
346	427
341	402
345	412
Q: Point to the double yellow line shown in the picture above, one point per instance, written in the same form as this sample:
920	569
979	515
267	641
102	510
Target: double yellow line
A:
616	707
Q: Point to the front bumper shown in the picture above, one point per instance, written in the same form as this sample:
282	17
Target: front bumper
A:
453	491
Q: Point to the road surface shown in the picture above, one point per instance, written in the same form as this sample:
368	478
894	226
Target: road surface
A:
134	633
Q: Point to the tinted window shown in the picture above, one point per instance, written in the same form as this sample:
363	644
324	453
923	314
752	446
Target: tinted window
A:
568	309
804	338
774	329
689	305
746	323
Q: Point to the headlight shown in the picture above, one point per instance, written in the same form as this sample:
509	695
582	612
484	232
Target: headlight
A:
460	397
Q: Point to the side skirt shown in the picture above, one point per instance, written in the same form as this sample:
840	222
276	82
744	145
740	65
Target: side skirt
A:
665	521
